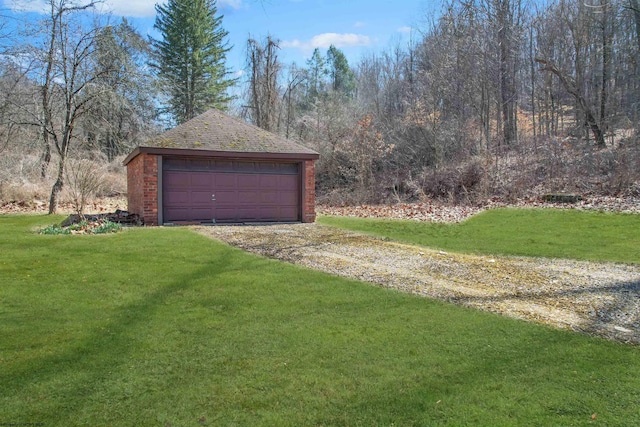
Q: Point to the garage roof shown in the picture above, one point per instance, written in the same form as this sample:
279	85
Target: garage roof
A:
216	131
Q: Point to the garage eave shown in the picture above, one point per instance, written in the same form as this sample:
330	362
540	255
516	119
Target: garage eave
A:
184	152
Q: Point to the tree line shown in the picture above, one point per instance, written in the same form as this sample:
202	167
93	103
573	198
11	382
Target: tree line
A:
484	81
484	91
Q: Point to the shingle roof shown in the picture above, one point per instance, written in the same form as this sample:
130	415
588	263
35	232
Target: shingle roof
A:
216	131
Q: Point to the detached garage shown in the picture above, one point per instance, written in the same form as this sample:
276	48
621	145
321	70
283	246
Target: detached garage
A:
217	169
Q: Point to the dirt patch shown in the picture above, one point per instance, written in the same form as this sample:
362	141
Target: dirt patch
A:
600	299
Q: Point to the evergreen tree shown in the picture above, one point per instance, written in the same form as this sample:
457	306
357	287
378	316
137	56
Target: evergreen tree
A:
190	58
316	73
343	80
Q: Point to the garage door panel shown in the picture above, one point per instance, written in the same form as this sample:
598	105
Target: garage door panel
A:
178	180
201	214
201	180
269	197
227	214
225	197
248	181
287	198
249	197
288	212
269	182
177	214
225	180
288	183
243	191
247	214
201	197
179	197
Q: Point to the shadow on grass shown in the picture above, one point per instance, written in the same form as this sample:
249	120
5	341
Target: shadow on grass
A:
80	370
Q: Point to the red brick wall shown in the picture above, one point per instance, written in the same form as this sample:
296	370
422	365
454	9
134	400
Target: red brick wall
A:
142	187
309	196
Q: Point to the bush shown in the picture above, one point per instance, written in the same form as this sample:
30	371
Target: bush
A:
453	183
83	227
84	179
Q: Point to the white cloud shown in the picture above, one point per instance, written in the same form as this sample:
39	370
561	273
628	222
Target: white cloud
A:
327	39
404	30
235	4
38	6
133	8
136	8
359	24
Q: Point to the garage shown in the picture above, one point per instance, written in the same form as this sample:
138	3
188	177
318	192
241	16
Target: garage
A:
230	191
216	169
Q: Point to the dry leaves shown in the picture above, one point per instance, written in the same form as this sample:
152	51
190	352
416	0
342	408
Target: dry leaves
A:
434	211
107	204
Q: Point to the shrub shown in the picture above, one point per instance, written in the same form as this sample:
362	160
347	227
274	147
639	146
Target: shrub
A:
83	227
84	179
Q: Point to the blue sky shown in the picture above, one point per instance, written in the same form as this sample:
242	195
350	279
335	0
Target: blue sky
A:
355	26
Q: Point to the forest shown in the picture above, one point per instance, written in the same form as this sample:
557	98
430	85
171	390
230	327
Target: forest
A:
490	99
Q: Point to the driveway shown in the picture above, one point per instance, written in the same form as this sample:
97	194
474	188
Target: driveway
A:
600	299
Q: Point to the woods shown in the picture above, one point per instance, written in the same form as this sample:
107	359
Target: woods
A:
489	98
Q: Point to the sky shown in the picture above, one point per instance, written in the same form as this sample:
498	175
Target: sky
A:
357	27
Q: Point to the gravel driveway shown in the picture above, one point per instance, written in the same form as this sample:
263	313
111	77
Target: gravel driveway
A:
601	299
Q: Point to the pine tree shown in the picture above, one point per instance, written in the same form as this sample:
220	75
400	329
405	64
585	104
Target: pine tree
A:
190	58
342	77
316	74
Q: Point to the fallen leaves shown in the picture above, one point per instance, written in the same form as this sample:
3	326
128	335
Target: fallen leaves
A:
430	211
108	204
434	211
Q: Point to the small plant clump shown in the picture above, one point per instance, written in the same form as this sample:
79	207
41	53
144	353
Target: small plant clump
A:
83	227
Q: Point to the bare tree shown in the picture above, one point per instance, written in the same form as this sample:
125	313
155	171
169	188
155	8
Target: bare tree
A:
571	87
264	72
68	81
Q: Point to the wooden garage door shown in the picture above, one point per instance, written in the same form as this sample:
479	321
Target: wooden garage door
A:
210	190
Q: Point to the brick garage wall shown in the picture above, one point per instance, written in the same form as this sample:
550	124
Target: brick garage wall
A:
142	187
309	188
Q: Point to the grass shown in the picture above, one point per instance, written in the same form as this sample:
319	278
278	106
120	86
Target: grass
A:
548	233
163	327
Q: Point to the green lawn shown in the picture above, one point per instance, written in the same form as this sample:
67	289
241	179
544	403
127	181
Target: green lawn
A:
531	232
164	327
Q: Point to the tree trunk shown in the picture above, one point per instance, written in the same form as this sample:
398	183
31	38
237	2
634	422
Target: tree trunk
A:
57	187
507	66
635	7
605	68
46	157
571	88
